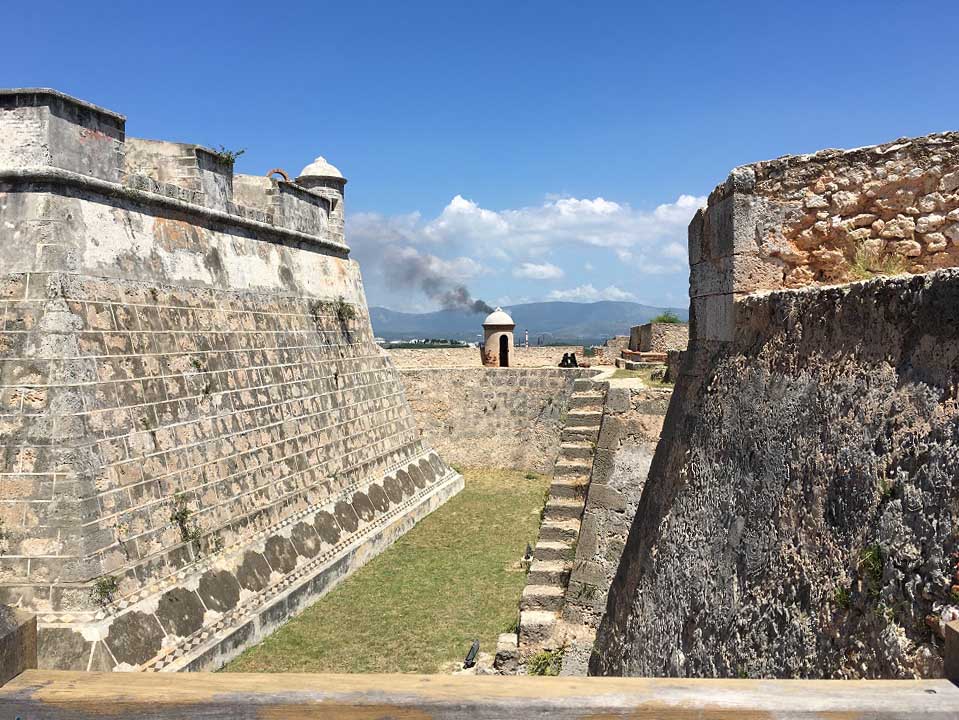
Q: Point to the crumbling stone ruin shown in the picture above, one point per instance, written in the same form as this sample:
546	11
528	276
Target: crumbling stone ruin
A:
198	435
800	514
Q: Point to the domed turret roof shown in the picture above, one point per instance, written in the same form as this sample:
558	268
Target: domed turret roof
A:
320	168
498	317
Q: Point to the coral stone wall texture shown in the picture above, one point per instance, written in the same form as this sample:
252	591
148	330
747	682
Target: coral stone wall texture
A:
830	217
198	434
492	417
800	516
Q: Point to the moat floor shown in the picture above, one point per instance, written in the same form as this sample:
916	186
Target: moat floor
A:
452	579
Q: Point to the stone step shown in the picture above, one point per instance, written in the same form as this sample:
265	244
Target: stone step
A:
581	384
569	487
559	530
587	399
549	572
564	508
574	467
579	434
583	418
576	450
536	626
546	550
542	597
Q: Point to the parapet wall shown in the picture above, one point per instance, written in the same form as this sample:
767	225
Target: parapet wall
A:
521	357
831	217
799	515
198	434
492	417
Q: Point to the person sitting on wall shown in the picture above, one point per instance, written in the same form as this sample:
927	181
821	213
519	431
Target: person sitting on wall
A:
572	360
565	361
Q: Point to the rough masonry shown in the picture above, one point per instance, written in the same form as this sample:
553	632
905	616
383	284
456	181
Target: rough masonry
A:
800	514
198	435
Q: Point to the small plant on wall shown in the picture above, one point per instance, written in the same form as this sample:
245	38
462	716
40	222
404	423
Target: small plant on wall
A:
344	311
104	589
668	317
181	517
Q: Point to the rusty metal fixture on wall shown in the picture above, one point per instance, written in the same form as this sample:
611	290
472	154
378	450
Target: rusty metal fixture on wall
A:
280	172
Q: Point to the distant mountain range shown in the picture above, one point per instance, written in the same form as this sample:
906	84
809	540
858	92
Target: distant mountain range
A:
552	321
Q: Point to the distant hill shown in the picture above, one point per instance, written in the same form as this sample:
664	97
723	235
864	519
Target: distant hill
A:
554	321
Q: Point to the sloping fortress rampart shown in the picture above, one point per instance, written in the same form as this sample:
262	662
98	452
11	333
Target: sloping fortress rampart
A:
800	515
198	434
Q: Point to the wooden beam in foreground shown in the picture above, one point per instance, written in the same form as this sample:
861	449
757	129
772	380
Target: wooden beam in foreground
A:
49	695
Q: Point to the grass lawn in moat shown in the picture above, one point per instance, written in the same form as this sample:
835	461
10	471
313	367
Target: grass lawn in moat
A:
417	606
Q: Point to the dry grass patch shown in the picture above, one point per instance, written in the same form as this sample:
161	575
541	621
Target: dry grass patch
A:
451	579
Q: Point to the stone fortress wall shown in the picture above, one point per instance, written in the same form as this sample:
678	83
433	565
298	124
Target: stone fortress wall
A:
658	337
492	417
799	515
198	434
521	357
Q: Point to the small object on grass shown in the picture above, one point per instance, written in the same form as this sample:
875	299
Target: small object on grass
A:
529	553
470	660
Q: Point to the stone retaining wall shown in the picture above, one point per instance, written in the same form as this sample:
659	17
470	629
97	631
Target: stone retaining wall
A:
197	433
522	357
492	417
799	515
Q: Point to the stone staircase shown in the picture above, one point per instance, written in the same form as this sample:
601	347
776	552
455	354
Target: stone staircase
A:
542	602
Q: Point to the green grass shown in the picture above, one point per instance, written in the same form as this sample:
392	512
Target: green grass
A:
644	375
453	578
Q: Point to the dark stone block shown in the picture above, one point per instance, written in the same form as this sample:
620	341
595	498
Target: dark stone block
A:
379	498
180	612
101	661
427	471
219	590
346	517
393	489
417	477
305	540
254	573
327	528
281	554
363	507
135	638
406	483
62	649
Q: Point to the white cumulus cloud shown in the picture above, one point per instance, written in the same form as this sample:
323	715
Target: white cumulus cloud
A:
588	293
533	271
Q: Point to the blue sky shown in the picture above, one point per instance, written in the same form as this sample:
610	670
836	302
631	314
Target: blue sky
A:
529	150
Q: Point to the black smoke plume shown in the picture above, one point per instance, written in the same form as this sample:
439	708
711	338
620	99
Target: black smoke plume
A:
415	270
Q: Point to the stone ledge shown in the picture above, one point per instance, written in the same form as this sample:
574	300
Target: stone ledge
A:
68	178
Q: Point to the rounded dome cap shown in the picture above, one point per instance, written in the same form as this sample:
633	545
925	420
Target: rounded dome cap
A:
320	168
498	317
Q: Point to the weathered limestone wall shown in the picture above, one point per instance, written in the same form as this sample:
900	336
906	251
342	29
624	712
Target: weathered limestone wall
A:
197	433
492	417
521	357
659	337
799	516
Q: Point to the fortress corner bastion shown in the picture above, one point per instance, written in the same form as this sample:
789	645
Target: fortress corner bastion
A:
198	435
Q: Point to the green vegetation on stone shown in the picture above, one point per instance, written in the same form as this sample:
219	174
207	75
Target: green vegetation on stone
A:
453	578
547	662
667	316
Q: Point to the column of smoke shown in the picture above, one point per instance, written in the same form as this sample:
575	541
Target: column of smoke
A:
408	270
